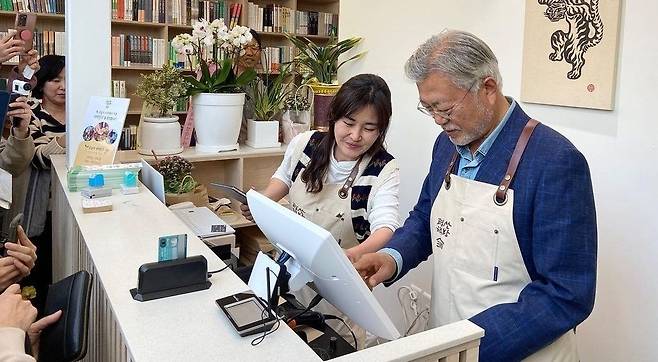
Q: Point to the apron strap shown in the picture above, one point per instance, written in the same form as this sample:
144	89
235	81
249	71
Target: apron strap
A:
343	192
500	198
451	166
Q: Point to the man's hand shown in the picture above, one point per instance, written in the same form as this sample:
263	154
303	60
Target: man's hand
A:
14	311
9	274
24	253
23	112
34	332
375	268
10	47
30	59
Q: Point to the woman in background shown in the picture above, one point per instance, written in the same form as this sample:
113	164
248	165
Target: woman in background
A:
48	130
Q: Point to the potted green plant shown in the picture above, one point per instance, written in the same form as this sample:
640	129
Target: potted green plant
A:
159	131
267	96
179	184
217	91
320	64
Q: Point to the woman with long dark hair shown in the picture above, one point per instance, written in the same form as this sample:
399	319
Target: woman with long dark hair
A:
343	179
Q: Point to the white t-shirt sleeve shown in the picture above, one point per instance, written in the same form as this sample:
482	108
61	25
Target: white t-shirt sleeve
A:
285	170
385	207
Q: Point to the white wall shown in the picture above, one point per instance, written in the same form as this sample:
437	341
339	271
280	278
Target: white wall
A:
621	147
88	71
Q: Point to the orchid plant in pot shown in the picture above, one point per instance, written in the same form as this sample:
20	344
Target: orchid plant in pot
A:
319	64
159	131
267	95
217	90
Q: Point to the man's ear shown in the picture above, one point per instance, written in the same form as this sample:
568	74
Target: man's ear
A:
490	89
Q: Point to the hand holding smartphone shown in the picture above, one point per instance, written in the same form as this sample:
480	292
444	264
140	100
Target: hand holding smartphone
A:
12	236
24	25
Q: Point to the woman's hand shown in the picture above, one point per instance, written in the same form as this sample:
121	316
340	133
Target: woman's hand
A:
30	59
23	252
34	332
244	209
9	274
22	111
14	311
10	47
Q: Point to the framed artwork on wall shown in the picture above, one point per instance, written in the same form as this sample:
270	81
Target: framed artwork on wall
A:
570	52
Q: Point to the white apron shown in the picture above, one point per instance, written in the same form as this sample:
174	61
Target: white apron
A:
332	212
477	259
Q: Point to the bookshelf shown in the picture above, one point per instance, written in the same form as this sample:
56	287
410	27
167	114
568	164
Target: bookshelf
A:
246	167
158	30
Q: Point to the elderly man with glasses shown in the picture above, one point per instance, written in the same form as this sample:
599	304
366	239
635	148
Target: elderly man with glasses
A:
506	211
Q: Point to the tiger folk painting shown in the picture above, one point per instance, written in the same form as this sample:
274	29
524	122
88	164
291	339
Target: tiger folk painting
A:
570	52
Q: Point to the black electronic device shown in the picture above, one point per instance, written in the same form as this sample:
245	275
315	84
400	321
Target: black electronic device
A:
247	313
172	277
232	192
12	236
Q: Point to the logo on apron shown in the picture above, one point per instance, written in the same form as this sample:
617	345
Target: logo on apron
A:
443	231
298	210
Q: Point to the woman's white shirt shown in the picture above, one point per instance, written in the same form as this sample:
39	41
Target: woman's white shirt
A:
383	203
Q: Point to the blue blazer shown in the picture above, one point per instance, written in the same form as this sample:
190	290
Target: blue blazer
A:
555	224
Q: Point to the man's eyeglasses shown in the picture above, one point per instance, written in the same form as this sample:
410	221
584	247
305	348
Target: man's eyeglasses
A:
253	48
433	112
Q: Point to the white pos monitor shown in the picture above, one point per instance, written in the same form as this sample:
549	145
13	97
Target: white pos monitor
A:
317	257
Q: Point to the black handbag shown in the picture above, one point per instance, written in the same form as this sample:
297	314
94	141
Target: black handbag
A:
66	339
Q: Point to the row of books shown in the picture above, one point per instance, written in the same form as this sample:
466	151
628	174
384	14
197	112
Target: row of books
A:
316	23
182	12
130	49
271	18
45	42
119	88
273	57
35	6
128	139
151	11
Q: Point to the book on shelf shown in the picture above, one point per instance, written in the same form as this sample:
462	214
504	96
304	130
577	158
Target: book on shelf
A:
128	138
271	18
119	88
147	11
131	49
273	57
316	23
34	6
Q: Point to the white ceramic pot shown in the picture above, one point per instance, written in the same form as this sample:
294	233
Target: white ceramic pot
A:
263	134
160	135
217	120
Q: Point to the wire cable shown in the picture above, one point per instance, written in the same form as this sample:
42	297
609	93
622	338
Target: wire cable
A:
210	273
413	323
329	316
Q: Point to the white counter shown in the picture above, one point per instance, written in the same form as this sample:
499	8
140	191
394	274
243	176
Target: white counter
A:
189	327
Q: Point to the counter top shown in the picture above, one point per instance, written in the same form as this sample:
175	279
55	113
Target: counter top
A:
184	327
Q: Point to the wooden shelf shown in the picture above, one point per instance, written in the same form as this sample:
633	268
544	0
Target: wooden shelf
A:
39	15
135	67
192	155
179	26
138	23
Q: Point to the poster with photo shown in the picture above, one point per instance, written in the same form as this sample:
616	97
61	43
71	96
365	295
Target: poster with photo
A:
570	52
101	130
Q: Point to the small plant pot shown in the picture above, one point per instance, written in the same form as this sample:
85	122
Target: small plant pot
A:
262	134
159	135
